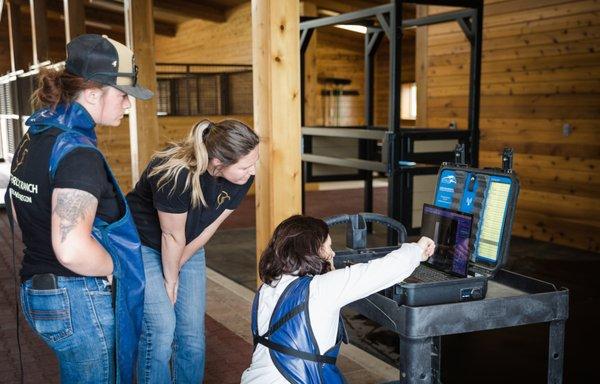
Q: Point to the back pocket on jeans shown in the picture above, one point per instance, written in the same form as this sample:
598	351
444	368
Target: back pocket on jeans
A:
49	313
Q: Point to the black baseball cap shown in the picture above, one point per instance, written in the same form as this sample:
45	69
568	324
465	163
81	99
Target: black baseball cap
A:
106	61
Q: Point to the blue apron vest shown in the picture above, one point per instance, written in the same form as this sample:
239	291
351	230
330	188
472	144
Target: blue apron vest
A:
291	341
120	238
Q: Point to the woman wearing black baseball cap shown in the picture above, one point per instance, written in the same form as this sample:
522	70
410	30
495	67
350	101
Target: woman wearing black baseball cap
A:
76	225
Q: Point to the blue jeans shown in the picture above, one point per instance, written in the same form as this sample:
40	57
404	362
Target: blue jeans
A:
76	321
170	333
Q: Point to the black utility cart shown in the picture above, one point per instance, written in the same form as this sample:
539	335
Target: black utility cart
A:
506	299
512	300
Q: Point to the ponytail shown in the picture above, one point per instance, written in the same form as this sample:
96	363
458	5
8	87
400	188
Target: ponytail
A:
57	86
196	136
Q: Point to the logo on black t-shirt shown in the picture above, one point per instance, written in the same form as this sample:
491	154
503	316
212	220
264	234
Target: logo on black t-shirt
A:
22	152
223	197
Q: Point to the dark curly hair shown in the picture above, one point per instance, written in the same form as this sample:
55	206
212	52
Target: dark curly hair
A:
294	249
57	86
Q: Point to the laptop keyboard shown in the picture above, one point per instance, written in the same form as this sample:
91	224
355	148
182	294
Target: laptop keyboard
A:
424	274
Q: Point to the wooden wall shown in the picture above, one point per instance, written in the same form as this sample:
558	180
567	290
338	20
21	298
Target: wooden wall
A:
201	41
341	54
540	71
382	75
240	93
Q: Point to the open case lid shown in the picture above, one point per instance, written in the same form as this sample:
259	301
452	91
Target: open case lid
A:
490	195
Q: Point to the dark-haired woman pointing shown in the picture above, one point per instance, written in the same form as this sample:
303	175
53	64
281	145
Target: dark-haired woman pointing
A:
296	320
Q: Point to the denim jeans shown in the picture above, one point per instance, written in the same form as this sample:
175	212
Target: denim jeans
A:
76	320
170	333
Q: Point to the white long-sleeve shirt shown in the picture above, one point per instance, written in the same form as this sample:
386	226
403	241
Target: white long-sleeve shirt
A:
328	294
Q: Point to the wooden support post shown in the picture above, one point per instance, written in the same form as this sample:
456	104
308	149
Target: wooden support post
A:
74	19
15	36
421	67
39	31
143	123
276	85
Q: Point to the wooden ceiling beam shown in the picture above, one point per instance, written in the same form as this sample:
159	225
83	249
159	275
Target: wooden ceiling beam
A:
165	29
192	10
345	6
117	21
109	17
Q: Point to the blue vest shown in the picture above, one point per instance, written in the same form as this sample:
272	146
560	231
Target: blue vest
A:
291	341
120	238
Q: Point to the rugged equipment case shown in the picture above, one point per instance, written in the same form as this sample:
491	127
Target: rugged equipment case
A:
464	189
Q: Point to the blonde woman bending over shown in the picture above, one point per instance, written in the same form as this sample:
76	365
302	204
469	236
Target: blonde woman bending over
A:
185	193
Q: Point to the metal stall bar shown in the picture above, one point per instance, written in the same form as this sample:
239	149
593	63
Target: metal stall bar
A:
450	3
396	152
306	142
373	39
346	18
362	134
350	163
409	137
438	18
556	349
475	83
352	133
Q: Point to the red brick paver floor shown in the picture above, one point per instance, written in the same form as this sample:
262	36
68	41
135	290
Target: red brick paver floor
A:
227	354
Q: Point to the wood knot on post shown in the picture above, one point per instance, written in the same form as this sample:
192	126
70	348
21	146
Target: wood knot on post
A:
278	59
282	27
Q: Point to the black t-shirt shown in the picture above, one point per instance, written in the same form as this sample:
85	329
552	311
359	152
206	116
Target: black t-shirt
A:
146	198
31	190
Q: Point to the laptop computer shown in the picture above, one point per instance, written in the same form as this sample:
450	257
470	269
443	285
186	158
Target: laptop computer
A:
451	232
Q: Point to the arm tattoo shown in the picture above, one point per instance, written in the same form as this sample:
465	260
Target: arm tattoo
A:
71	207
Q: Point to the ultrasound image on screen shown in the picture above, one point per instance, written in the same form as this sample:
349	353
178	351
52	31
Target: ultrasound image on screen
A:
450	230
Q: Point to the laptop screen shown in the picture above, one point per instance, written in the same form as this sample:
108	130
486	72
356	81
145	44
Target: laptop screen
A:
451	231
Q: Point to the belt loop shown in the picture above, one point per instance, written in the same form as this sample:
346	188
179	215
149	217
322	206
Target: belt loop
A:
86	284
91	283
100	283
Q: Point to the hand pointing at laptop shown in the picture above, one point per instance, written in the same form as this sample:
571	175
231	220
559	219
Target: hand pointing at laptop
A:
428	247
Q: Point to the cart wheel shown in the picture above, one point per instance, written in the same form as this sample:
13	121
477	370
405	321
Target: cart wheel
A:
356	227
